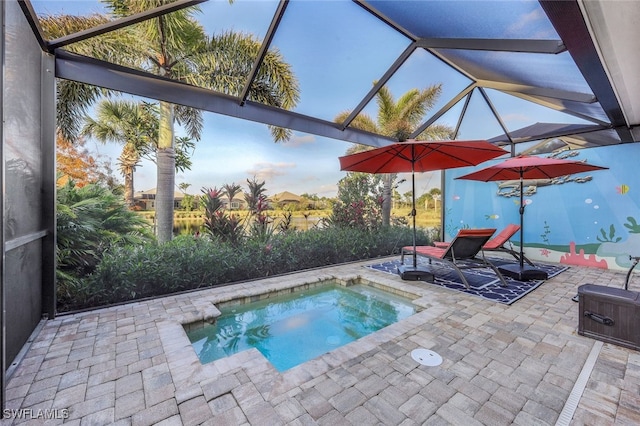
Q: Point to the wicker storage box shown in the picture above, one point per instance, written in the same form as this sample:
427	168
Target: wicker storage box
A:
609	314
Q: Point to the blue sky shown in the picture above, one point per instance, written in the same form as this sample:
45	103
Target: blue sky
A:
359	49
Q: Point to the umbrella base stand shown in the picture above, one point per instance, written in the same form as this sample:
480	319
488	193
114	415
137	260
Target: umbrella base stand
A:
523	273
415	273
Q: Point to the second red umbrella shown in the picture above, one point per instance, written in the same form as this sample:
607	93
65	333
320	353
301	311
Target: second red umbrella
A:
420	156
528	167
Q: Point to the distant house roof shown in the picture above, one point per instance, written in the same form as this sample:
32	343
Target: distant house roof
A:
286	197
236	199
152	191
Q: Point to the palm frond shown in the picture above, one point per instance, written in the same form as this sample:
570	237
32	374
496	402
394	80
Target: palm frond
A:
191	119
74	100
365	122
437	132
184	151
386	106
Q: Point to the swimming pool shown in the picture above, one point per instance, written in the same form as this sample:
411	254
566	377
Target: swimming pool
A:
292	329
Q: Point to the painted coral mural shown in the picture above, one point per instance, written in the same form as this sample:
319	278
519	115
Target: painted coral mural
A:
587	219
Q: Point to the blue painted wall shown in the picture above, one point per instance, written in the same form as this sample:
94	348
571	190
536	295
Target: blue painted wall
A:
590	219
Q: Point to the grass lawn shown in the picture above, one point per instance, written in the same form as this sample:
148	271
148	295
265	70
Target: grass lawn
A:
424	218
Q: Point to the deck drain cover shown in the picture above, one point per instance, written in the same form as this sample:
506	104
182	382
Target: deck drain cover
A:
426	357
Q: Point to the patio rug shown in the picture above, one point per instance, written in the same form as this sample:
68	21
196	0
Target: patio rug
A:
483	282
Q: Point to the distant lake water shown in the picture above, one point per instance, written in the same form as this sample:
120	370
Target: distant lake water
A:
190	226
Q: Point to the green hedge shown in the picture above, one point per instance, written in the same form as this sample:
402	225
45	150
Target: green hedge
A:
187	262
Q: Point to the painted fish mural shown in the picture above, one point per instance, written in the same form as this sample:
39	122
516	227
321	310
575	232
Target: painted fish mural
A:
511	188
622	189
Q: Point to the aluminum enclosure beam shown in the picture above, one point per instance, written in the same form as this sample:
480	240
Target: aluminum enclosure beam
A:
547	103
495	45
538	91
615	33
443	110
103	74
121	23
552	134
379	84
48	189
271	32
569	23
32	19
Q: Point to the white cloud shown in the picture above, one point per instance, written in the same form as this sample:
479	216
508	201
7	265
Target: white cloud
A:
516	117
325	190
521	27
269	171
299	140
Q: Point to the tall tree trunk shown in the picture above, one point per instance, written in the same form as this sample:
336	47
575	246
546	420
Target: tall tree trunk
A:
386	199
127	162
128	189
166	177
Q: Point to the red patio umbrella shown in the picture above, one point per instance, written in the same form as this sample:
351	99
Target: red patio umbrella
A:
420	156
528	167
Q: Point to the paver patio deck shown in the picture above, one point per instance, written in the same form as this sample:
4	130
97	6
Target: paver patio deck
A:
518	364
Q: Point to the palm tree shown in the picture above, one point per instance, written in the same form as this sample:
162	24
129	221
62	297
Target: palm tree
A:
231	190
398	119
128	160
436	195
175	46
184	186
133	125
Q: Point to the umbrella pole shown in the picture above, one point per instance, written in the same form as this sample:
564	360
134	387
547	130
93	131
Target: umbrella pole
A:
521	221
413	215
414	273
519	271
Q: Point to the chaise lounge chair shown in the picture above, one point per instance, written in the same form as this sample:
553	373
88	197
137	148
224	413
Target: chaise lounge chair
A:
461	253
498	243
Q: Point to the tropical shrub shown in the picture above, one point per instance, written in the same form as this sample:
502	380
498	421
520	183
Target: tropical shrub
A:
106	258
187	262
359	202
217	223
91	220
259	225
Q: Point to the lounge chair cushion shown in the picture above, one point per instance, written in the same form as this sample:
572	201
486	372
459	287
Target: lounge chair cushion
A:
502	237
460	253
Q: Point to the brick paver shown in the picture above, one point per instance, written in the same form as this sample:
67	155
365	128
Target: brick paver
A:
517	364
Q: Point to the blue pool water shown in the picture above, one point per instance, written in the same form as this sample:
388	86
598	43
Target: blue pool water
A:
292	329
